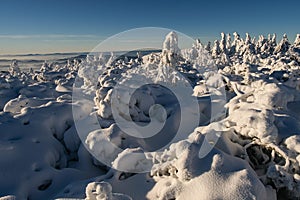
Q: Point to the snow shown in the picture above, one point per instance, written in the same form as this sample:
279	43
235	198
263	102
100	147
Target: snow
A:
103	191
233	176
171	43
218	122
14	69
9	197
131	160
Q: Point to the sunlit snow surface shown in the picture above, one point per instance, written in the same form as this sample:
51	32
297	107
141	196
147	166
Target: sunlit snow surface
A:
251	151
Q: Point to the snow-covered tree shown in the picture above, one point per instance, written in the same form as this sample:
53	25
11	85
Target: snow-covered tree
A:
283	45
248	46
208	46
45	67
223	48
228	42
260	43
112	58
236	44
247	39
272	44
14	68
31	70
170	51
171	43
297	40
273	40
295	49
253	41
198	44
266	46
225	59
216	49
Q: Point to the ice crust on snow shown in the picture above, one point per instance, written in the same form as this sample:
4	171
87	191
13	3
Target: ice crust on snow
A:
256	155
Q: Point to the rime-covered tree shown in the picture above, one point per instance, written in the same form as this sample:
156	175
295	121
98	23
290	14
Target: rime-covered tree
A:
45	67
295	49
260	43
272	43
248	46
216	49
111	59
208	46
170	51
297	40
14	68
283	46
236	43
223	44
171	43
228	42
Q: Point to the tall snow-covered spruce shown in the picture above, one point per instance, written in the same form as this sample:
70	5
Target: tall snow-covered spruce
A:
170	51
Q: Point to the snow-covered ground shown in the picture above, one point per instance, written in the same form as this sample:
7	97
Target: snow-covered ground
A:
83	130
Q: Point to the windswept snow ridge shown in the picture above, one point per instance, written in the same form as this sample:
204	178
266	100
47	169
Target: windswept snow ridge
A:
246	146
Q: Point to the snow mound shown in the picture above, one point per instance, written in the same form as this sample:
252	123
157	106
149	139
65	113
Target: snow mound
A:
103	191
132	160
218	175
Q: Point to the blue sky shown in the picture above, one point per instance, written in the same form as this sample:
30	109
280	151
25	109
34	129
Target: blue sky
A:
39	26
